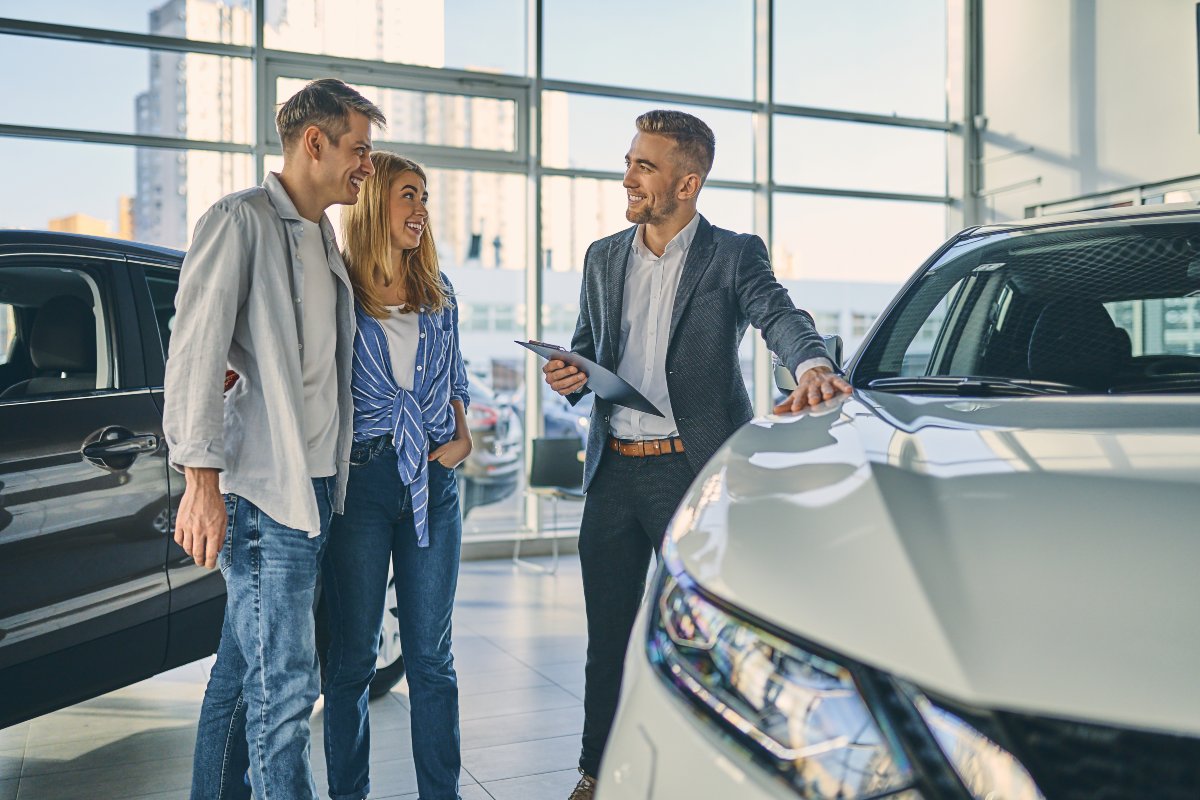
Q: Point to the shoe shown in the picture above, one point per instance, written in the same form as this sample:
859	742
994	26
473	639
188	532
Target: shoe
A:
585	788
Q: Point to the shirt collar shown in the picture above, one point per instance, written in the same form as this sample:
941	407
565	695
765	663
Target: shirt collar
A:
682	240
287	209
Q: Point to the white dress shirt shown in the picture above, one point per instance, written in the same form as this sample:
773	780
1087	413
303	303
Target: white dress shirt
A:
646	306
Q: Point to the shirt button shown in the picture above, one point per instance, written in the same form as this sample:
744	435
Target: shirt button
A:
300	346
422	336
418	368
297	299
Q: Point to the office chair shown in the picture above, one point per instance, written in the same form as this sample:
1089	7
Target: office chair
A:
556	472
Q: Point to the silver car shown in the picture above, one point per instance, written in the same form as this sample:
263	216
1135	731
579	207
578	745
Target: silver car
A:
974	578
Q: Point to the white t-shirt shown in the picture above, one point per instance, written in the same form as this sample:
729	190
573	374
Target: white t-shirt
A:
318	358
402	331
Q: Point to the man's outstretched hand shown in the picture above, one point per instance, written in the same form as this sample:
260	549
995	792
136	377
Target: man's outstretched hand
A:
814	387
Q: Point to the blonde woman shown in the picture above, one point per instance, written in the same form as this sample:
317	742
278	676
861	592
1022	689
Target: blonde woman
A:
410	432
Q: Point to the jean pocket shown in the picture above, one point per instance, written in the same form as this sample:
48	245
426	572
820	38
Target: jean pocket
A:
361	452
225	557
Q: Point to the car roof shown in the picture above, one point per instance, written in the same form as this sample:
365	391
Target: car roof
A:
1095	215
12	241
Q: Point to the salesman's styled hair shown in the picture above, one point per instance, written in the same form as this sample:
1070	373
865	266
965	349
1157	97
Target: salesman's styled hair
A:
326	103
693	139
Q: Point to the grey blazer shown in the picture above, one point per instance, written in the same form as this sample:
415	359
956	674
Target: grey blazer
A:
727	284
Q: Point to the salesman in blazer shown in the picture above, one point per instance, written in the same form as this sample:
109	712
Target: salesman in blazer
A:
665	304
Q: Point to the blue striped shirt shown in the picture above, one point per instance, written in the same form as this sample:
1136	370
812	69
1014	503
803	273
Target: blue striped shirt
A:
413	418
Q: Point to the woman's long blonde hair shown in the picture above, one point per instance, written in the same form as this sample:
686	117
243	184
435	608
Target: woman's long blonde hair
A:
367	245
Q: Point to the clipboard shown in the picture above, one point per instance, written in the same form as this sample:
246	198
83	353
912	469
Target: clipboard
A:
604	382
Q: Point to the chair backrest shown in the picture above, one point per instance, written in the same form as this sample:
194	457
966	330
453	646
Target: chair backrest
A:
557	463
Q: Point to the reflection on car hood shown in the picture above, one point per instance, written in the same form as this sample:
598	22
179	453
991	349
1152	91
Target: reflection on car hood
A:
1030	554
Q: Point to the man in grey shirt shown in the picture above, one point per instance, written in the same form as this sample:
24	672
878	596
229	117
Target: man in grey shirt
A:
665	305
263	291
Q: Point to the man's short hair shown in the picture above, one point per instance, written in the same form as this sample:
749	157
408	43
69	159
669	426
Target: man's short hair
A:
693	138
326	103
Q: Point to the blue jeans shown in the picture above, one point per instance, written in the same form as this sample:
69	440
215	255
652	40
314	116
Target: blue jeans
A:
265	680
378	526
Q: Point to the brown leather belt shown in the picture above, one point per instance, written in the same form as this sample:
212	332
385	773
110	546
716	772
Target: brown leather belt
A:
646	447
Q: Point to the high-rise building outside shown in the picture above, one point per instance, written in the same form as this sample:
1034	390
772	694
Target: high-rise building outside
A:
193	96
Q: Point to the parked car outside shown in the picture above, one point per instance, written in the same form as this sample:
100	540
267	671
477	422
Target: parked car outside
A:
974	578
493	469
94	592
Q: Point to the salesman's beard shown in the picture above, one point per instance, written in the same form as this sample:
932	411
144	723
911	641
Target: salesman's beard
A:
649	214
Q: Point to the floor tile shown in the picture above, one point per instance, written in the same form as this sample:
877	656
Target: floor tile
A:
108	749
514	728
113	781
14	737
544	786
515	701
524	758
396	778
468	792
486	682
10	763
8	789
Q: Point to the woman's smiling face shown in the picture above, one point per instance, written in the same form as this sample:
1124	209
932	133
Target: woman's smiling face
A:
407	213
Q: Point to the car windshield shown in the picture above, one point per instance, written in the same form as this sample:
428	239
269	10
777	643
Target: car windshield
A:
1110	307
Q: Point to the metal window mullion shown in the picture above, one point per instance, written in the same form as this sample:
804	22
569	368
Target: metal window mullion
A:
606	175
72	33
392	75
264	94
630	93
128	139
863	117
534	279
860	194
764	154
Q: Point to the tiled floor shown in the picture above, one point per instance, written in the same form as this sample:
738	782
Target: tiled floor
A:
519	647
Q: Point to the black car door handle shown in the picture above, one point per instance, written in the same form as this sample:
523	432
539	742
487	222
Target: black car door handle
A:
145	443
116	447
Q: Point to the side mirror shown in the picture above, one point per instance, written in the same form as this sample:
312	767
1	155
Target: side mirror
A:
785	381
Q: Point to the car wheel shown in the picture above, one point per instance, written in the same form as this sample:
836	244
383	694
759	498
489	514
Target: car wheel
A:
389	664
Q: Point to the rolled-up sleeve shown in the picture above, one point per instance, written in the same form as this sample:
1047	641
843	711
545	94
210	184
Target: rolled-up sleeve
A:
212	286
458	369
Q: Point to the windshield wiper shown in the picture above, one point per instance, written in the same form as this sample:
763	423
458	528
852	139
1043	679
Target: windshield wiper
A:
971	386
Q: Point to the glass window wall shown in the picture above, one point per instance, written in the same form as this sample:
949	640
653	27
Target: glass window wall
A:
453	79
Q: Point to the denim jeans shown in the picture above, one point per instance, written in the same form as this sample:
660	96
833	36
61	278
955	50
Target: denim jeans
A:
378	526
265	680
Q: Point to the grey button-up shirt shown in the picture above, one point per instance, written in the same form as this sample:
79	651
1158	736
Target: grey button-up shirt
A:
240	306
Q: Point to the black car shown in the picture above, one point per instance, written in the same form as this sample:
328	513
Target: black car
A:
94	592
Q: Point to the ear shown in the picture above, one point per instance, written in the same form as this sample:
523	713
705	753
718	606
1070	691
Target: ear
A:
689	187
313	141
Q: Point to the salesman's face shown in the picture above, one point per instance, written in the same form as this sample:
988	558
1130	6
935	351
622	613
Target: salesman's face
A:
651	179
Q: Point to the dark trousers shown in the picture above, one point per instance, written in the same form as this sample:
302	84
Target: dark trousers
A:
625	516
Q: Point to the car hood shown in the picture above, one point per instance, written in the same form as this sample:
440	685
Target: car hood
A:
1029	554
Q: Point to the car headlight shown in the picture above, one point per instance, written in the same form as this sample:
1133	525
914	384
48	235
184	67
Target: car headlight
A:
798	711
988	771
802	713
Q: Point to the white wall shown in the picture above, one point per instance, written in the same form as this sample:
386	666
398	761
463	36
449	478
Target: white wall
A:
1104	90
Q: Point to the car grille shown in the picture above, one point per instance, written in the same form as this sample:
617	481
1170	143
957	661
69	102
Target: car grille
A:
1078	761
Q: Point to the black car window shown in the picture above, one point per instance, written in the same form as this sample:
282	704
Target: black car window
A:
56	325
1112	307
163	284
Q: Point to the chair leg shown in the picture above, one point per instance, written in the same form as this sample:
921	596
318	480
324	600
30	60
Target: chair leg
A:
521	563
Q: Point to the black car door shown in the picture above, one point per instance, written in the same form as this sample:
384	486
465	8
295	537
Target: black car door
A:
197	594
83	492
